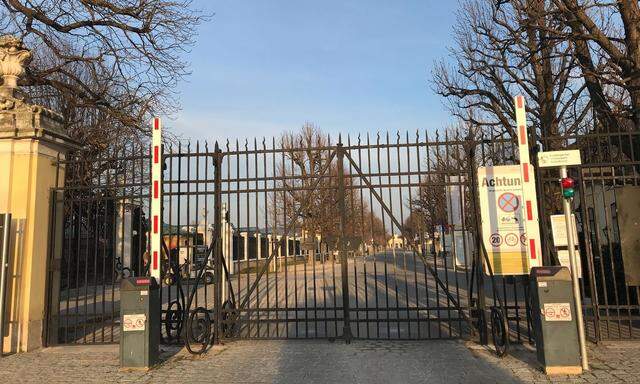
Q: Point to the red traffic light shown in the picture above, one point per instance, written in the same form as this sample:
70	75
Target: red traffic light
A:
567	183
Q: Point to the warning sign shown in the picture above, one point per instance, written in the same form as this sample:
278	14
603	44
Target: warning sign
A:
135	322
495	240
502	213
511	239
559	230
508	202
557	312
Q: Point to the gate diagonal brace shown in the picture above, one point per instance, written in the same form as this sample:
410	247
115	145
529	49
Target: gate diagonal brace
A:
278	244
413	246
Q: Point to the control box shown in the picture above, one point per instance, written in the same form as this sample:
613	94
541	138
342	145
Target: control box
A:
554	320
139	323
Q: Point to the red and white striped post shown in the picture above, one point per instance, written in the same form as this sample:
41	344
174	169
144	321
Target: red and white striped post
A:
527	174
156	198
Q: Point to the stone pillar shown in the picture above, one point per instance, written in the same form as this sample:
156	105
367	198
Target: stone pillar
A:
286	251
279	255
245	236
31	141
258	237
228	235
270	252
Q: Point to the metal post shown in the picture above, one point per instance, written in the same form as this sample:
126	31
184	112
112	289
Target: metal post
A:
566	204
218	245
223	247
346	332
4	265
481	304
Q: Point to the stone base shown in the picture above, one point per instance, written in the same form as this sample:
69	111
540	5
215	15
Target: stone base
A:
563	370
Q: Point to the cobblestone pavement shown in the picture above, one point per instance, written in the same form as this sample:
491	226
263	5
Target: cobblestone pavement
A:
318	361
609	362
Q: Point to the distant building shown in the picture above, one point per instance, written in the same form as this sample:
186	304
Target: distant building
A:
396	241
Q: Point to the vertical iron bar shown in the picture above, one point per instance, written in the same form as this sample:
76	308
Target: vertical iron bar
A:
346	330
218	245
481	304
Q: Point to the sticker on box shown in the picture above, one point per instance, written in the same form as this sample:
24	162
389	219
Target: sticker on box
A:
136	322
557	312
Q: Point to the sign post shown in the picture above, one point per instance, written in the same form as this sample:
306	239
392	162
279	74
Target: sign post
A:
562	159
156	199
509	208
530	203
566	205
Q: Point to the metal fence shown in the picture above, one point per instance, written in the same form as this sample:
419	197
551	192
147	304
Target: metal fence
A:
100	232
605	208
366	237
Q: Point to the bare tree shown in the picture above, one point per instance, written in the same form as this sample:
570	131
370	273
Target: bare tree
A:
577	62
107	66
309	188
607	43
504	49
446	171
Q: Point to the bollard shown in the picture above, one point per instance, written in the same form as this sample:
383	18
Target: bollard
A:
139	323
554	321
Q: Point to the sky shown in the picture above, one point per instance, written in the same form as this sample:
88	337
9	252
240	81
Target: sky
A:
263	67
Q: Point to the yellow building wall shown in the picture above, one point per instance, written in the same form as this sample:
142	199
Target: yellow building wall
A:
28	171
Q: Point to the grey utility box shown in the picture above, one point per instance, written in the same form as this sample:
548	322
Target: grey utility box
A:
139	323
554	320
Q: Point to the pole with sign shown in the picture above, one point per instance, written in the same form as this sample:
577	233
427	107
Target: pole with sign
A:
509	209
503	232
562	159
530	203
156	199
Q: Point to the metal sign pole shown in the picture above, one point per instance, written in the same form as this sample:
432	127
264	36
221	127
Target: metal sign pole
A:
156	201
566	204
529	205
4	264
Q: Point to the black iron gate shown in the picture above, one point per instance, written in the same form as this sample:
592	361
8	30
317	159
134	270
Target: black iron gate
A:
304	236
352	239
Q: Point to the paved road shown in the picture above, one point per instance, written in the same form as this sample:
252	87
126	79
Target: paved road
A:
391	295
319	361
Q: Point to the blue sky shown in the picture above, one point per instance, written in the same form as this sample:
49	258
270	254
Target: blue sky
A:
262	67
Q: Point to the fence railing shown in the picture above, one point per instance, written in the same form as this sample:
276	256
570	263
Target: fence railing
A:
409	221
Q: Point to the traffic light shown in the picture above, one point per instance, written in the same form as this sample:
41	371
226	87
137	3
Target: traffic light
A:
568	185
